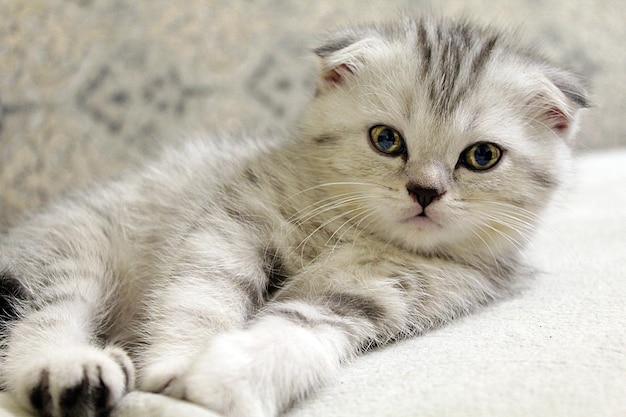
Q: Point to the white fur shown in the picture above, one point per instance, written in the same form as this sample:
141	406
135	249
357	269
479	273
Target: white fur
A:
276	357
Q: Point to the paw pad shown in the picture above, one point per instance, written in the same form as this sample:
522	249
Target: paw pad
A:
86	384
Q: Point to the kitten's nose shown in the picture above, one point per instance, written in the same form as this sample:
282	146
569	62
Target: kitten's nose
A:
423	196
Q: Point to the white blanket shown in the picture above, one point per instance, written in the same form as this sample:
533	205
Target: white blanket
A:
556	349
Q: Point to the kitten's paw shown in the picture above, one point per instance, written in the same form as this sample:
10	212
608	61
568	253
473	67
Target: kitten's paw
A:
77	382
161	377
223	379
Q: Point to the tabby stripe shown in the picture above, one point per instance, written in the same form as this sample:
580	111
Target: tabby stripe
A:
482	57
56	299
303	320
426	51
357	306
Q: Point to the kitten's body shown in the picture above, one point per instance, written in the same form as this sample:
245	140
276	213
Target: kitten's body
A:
239	274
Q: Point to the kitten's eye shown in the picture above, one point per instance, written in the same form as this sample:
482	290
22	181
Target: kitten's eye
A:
387	140
481	156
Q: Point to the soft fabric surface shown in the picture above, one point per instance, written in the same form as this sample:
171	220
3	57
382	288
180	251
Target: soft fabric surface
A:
557	349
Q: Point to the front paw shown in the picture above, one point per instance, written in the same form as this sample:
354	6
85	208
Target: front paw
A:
260	371
76	382
162	376
223	379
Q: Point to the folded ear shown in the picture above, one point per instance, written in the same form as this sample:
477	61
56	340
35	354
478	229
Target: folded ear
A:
556	104
343	55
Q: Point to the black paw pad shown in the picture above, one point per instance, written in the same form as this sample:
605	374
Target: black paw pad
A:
91	397
40	396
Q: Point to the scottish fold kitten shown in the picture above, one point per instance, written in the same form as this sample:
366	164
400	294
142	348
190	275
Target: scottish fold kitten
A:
240	274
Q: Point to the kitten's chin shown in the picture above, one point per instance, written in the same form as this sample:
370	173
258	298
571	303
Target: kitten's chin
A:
422	234
430	235
433	236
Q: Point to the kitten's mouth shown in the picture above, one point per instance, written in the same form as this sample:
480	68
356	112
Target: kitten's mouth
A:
422	218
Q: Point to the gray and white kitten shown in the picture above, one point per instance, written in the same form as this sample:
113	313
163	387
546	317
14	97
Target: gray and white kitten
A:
240	274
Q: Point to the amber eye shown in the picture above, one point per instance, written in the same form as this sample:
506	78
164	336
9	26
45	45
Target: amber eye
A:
481	156
387	140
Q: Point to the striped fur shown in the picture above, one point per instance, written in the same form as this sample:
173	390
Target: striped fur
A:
240	273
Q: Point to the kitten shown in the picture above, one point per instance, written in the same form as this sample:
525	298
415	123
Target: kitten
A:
240	274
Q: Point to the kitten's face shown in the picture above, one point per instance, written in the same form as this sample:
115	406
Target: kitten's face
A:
440	166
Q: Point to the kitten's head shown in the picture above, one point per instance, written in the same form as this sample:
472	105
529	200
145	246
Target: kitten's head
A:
441	137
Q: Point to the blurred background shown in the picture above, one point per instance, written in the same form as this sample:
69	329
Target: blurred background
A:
90	87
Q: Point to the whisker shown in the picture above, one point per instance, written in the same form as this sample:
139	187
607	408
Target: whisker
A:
339	183
477	225
320	227
513	209
353	225
313	210
518	245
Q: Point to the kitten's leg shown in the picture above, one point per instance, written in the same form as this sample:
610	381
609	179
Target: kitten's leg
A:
292	348
56	273
203	296
186	315
321	319
299	341
53	364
